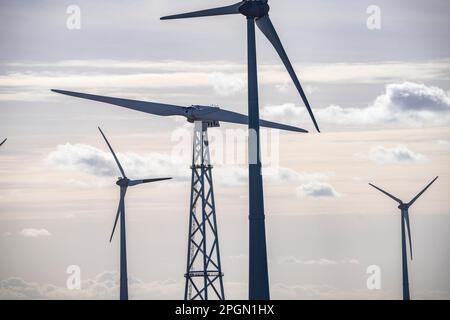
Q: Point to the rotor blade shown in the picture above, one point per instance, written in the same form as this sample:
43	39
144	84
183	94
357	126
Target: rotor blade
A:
3	142
159	109
421	192
234	117
119	210
233	9
113	153
386	193
409	231
137	182
155	180
265	25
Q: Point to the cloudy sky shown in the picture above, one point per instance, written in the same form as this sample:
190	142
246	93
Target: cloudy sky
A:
381	97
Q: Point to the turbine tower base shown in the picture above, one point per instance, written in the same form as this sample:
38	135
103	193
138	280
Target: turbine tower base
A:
204	277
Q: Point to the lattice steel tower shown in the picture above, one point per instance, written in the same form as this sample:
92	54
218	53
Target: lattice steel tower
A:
204	271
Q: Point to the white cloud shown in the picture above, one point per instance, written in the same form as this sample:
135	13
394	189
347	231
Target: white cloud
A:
404	104
288	85
34	233
91	160
444	144
321	261
317	189
94	161
325	292
351	261
30	81
226	85
238	175
103	286
397	155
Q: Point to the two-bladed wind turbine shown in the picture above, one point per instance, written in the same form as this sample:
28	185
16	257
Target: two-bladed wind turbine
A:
123	182
3	142
203	262
404	208
255	11
192	113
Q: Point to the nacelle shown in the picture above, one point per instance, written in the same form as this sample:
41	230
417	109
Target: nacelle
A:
196	113
256	9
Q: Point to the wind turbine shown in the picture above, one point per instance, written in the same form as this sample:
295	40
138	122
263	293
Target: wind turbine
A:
404	209
3	142
192	113
123	182
203	261
255	11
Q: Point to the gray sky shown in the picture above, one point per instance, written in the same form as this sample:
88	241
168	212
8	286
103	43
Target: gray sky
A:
382	98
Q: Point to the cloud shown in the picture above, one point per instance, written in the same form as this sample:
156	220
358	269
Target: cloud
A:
103	286
317	189
397	155
325	292
91	160
286	86
238	175
226	85
444	144
321	261
30	81
404	104
35	233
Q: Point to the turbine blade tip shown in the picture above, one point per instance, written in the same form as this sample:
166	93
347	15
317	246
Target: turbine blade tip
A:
167	17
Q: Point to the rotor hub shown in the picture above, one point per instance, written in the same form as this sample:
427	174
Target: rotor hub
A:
255	9
123	182
403	206
189	114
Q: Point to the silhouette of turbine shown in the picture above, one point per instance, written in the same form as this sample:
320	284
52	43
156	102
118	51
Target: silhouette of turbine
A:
404	209
202	194
123	182
255	11
3	142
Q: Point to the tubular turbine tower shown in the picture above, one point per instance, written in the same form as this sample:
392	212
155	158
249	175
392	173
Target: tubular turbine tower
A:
256	11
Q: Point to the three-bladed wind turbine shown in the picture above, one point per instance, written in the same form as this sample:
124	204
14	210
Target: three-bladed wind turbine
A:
404	208
255	11
123	182
3	142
